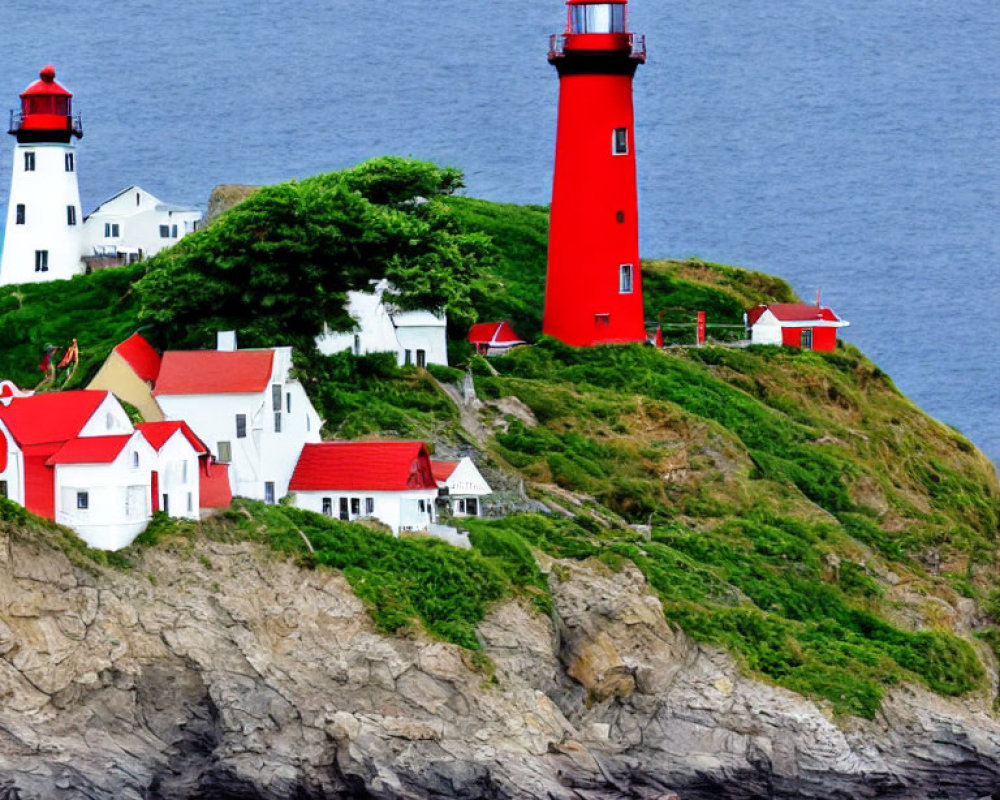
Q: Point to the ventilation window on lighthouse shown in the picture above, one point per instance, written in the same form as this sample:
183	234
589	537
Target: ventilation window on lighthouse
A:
71	215
19	214
29	162
619	144
598	18
70	162
41	261
625	279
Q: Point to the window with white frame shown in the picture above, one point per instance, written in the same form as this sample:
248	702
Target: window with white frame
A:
619	144
241	426
369	506
41	261
71	215
70	162
625	279
29	162
19	214
164	231
225	450
327	506
83	500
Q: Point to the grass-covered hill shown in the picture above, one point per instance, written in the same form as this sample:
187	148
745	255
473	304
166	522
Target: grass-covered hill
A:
790	506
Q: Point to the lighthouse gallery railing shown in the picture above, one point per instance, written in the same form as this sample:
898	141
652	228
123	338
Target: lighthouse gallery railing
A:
73	123
637	43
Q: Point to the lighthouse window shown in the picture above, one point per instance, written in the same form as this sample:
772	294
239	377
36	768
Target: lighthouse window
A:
620	145
20	214
70	165
598	18
29	162
625	279
41	261
71	215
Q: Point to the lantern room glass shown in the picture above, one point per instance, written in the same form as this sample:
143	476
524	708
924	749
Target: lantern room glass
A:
597	18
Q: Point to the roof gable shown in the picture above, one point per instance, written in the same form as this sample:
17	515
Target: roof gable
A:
793	312
50	417
494	333
443	470
140	355
159	433
214	372
363	466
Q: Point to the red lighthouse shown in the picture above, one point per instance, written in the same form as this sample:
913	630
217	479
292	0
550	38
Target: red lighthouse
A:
593	292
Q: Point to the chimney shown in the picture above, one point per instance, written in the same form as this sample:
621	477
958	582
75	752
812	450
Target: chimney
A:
226	341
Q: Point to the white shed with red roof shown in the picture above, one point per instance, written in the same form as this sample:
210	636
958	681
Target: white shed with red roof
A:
494	338
462	485
794	325
392	482
181	462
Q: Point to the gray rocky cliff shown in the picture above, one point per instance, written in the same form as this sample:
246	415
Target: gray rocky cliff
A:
218	671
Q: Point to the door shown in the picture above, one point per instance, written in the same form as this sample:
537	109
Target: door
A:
344	514
806	343
154	492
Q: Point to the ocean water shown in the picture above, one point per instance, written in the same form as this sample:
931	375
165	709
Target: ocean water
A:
850	147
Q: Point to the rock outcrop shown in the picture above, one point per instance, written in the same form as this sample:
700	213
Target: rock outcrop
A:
217	670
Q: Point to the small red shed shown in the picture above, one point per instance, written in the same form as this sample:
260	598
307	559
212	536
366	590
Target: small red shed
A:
794	325
494	338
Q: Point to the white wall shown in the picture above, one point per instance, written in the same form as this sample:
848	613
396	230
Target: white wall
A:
466	483
110	419
45	193
139	216
118	497
767	330
264	455
379	331
398	510
176	464
14	473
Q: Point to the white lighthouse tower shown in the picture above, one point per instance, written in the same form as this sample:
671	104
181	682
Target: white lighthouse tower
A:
42	240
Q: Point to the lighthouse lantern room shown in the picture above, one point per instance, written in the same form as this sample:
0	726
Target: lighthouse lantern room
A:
593	292
42	238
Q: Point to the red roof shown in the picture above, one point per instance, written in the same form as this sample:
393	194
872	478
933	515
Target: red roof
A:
443	470
363	466
90	450
793	312
46	84
214	372
51	417
494	333
213	486
159	433
140	355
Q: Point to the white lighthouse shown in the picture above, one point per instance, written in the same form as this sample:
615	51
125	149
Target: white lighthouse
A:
43	239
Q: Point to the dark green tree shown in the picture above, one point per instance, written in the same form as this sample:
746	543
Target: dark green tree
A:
278	266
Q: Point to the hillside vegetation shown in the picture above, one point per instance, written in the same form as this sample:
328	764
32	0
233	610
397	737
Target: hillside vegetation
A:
790	506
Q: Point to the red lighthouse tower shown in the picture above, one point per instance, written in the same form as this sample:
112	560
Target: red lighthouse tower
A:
593	292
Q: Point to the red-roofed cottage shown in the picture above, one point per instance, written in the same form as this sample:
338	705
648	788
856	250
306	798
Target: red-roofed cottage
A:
462	485
130	372
75	458
392	482
494	338
246	406
181	466
794	325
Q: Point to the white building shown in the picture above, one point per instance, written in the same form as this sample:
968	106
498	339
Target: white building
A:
462	486
416	337
246	406
42	238
102	488
177	471
134	225
391	482
74	457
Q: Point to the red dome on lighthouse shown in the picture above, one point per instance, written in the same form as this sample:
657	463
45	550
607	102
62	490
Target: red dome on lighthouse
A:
46	111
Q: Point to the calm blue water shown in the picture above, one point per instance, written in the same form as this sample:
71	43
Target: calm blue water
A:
849	146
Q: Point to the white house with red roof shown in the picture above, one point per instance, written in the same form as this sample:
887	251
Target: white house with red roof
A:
392	482
246	406
494	338
181	463
74	457
416	337
462	485
794	325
